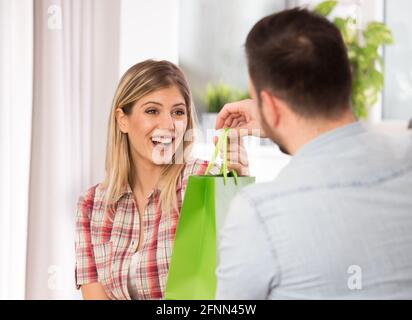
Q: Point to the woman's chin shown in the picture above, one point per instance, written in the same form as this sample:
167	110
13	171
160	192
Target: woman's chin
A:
162	156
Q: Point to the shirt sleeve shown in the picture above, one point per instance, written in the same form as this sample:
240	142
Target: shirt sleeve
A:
85	268
247	269
199	168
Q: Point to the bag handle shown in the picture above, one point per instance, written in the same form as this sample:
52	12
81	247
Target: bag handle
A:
222	143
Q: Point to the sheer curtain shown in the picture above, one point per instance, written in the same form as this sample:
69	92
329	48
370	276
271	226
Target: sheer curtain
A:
60	158
16	69
71	92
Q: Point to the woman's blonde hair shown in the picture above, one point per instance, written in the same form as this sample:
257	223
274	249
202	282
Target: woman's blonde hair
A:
140	80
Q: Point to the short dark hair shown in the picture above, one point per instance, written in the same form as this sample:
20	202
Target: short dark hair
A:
300	56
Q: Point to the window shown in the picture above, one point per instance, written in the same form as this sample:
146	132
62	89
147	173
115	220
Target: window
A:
397	98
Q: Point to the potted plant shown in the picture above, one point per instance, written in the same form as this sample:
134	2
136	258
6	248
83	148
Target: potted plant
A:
216	96
366	61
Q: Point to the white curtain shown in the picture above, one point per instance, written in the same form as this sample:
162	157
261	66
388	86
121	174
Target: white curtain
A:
16	65
60	158
68	91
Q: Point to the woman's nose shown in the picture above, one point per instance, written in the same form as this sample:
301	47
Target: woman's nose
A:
167	122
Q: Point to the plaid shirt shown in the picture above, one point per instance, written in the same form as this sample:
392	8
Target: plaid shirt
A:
104	249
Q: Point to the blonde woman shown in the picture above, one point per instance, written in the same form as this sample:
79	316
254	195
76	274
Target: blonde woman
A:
125	226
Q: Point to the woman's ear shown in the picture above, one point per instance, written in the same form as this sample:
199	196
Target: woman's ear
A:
122	120
270	108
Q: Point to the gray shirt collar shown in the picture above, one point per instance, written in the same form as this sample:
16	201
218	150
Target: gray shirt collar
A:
313	146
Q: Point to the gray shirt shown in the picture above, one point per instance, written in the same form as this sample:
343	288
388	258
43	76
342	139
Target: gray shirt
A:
335	224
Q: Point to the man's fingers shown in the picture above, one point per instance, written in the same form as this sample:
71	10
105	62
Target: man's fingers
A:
240	170
242	119
226	111
228	121
235	122
239	108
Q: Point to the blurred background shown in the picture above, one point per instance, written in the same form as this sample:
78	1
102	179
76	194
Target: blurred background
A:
60	61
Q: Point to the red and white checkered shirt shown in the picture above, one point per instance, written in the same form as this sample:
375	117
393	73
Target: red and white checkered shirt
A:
104	249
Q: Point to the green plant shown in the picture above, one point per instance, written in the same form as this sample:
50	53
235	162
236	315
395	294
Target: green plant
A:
217	95
363	51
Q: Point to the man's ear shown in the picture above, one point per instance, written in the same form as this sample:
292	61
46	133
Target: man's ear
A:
122	120
270	108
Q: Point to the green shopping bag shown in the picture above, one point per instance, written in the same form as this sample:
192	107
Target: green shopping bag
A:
205	205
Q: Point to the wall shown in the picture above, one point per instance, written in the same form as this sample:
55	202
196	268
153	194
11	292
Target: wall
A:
148	29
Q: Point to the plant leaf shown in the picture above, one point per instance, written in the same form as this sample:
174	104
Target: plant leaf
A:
326	7
376	33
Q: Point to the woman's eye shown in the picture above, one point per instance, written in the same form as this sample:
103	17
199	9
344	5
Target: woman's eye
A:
179	112
151	111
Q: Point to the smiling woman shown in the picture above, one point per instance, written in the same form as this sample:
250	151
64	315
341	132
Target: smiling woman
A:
148	104
158	123
125	226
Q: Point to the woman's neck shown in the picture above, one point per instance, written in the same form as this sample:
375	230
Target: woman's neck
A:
147	176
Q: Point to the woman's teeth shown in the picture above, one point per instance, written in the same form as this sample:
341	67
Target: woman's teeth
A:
162	140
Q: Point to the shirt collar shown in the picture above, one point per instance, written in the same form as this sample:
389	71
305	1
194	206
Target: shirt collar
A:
127	190
313	146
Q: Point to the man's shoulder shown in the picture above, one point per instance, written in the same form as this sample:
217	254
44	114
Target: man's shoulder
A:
257	193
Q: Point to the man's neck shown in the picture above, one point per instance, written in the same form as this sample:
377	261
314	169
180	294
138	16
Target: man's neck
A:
307	131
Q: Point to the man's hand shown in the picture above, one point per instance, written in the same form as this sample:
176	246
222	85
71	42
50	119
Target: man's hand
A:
242	116
236	154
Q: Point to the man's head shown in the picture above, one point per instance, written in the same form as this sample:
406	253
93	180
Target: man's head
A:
299	70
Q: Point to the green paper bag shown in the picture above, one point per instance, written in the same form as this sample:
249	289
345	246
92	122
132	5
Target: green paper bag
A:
205	205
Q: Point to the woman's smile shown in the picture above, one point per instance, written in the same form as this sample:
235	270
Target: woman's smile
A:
165	141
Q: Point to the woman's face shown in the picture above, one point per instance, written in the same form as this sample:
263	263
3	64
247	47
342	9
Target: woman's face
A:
156	126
